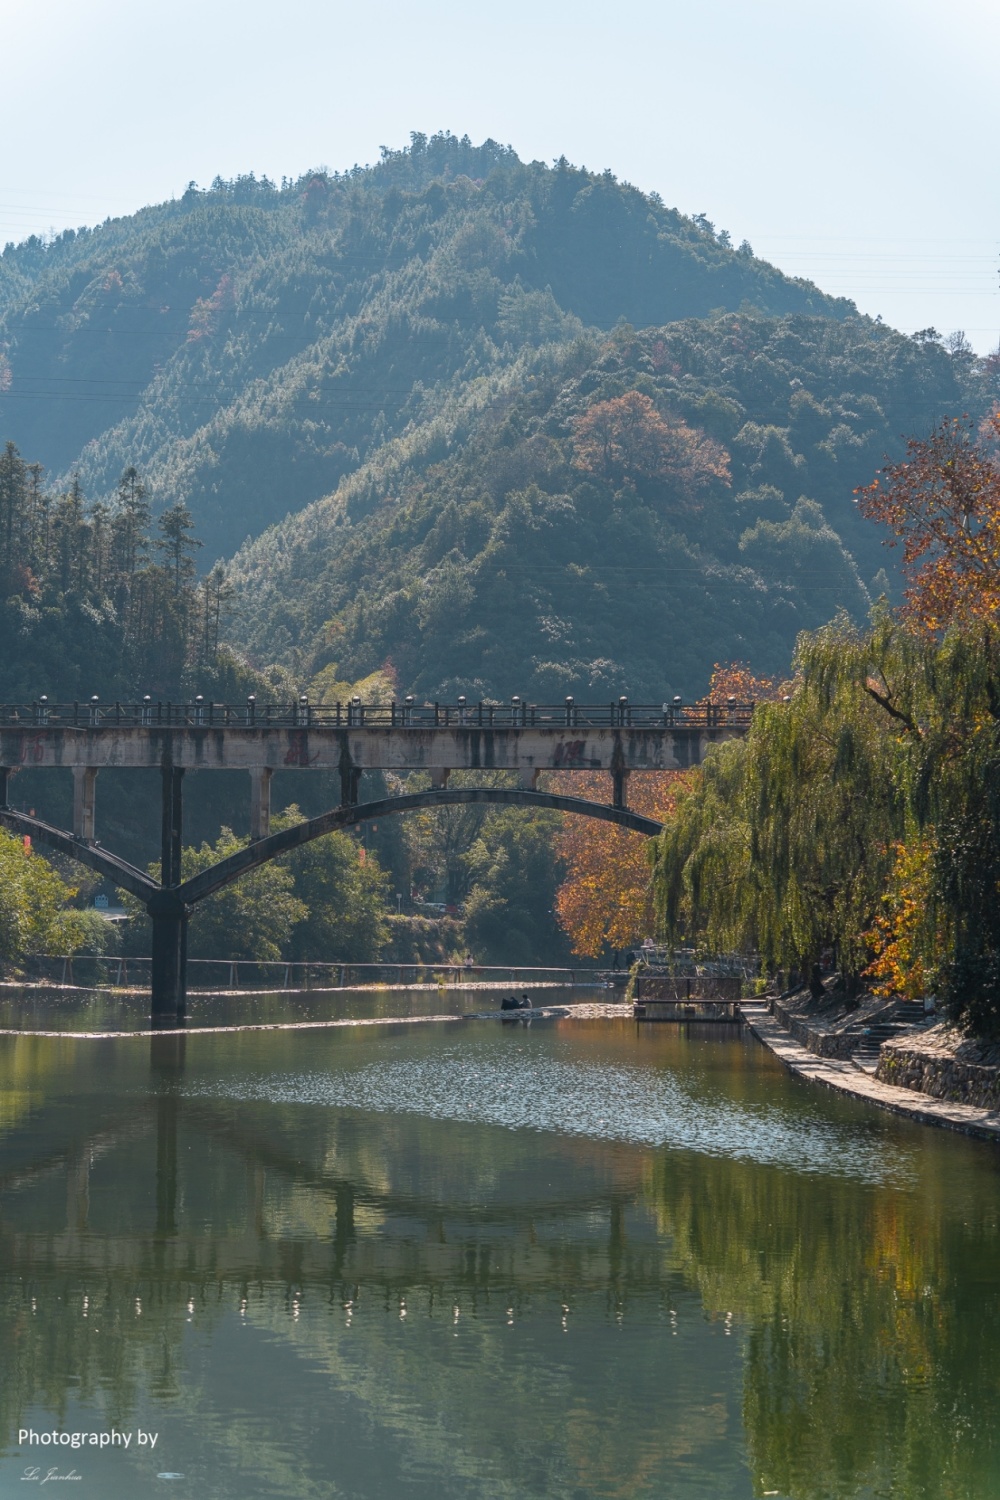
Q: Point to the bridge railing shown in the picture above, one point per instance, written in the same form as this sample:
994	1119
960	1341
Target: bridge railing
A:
408	714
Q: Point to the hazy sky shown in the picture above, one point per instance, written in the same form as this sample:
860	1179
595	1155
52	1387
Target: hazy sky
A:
850	141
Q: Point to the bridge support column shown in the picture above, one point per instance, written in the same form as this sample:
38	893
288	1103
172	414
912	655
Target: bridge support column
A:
529	778
620	783
84	802
350	781
170	827
169	977
260	802
4	786
168	1000
439	777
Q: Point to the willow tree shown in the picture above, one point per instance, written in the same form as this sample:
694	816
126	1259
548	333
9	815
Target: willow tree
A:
940	697
784	843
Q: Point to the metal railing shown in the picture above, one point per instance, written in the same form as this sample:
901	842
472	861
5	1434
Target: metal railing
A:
408	714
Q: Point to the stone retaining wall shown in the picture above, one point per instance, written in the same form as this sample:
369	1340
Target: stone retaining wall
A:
932	1068
828	1037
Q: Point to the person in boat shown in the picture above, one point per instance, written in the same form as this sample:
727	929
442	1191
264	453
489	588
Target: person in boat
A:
525	1002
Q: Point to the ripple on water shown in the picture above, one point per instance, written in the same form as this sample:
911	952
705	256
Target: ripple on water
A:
641	1105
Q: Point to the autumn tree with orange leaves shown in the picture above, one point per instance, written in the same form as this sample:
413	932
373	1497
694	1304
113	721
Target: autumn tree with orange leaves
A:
900	938
942	502
604	899
626	440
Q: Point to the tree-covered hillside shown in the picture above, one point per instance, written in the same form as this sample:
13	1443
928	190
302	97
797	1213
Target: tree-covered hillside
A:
616	514
505	426
247	346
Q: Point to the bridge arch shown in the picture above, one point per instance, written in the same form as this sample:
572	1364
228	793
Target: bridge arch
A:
169	905
130	878
346	816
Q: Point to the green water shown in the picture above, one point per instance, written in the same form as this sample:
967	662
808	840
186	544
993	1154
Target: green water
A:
116	1010
473	1260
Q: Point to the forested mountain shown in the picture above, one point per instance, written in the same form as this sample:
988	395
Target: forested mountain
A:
613	515
247	346
505	426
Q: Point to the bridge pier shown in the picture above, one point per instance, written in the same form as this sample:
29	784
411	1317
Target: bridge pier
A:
168	999
84	802
4	786
619	781
260	802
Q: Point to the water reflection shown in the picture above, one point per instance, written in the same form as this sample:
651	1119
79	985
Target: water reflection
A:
34	1009
569	1261
473	1080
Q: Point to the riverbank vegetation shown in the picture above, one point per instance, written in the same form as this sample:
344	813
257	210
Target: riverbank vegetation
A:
39	912
860	819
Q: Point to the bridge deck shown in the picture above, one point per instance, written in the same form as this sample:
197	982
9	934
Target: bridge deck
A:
357	737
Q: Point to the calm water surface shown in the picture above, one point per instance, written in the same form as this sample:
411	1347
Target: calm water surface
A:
561	1261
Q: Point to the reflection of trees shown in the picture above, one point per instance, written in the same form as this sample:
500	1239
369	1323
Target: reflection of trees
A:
867	1365
248	1209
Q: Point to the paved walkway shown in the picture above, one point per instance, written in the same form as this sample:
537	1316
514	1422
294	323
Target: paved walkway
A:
833	1073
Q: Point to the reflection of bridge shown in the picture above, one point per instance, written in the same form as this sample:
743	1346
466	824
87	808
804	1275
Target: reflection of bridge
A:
618	738
439	1233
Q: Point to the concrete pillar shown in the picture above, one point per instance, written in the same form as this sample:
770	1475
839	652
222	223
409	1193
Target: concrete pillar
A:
4	786
439	777
260	802
529	778
84	802
168	1000
350	781
170	828
169	965
620	783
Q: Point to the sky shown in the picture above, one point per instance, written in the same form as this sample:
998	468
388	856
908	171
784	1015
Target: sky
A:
848	140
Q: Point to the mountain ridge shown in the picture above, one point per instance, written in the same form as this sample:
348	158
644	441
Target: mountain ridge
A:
221	340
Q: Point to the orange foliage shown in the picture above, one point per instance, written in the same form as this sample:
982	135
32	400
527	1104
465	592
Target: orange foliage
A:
628	439
943	503
734	679
604	898
898	967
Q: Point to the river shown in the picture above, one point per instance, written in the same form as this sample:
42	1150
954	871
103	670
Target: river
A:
483	1262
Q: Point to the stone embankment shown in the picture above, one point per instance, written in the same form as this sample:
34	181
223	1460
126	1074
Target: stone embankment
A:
846	1078
935	1060
828	1025
944	1065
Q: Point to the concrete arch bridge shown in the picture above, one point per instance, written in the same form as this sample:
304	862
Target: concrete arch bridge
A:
618	738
